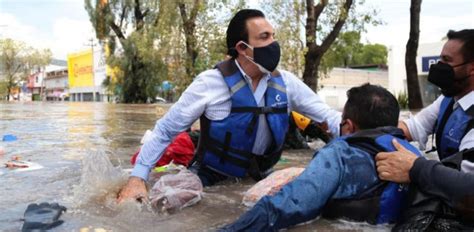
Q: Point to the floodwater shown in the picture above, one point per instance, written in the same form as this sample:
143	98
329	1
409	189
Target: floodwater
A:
81	151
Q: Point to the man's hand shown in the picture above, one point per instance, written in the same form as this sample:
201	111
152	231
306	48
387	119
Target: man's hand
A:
135	188
395	166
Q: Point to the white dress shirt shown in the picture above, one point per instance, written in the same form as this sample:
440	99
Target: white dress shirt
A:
422	124
209	94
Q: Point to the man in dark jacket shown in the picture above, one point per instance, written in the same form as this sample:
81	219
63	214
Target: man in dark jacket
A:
341	180
447	186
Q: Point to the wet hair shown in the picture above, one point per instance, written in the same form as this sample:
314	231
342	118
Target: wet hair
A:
237	29
467	37
371	106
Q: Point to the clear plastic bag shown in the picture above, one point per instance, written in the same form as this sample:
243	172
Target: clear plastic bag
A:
270	185
173	192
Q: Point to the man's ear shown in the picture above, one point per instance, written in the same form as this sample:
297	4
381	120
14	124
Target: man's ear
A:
351	126
241	48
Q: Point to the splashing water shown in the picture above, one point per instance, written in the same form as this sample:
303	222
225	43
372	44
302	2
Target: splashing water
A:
100	180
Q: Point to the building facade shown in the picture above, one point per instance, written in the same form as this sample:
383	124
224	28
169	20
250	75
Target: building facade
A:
427	55
333	88
87	72
56	85
35	86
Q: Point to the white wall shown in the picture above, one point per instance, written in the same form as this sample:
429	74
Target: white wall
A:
396	69
334	87
99	66
334	96
396	64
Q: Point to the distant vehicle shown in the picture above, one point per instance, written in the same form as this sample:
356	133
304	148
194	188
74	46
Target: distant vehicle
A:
160	100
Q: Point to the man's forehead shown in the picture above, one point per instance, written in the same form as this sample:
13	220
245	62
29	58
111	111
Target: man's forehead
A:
258	25
451	49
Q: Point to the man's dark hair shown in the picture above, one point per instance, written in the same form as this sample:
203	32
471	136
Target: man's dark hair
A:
467	37
237	29
371	106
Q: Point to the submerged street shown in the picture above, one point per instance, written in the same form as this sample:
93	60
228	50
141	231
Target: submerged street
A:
82	151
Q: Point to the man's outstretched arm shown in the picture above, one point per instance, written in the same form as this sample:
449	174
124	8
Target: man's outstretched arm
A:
299	201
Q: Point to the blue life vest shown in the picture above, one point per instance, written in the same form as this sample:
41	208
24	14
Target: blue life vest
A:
226	145
384	202
451	127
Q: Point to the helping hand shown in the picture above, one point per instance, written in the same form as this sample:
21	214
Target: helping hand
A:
135	188
395	166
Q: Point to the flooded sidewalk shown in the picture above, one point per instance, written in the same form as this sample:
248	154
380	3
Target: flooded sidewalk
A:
83	150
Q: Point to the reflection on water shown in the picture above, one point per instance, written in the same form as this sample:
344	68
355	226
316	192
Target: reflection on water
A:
83	148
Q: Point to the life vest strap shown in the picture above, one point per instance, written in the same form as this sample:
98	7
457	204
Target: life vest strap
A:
226	157
218	145
259	110
256	111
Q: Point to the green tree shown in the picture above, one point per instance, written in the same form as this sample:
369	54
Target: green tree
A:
17	61
189	12
128	29
288	16
306	30
324	22
208	45
344	51
178	38
347	50
372	54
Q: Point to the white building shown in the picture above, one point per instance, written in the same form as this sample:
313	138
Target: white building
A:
35	86
56	85
427	54
334	87
87	72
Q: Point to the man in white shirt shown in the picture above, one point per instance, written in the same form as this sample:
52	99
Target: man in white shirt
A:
243	107
451	118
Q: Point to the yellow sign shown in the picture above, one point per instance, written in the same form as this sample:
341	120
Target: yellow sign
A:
80	69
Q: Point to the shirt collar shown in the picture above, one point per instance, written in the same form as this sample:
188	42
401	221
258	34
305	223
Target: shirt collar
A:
466	101
247	77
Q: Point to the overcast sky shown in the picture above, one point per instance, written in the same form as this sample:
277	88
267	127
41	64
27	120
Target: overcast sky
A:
64	27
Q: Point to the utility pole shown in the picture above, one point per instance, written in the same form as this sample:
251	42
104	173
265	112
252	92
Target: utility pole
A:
92	44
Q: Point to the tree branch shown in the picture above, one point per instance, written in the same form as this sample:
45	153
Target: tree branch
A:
122	15
138	15
318	9
182	11
117	30
337	27
310	24
160	12
194	11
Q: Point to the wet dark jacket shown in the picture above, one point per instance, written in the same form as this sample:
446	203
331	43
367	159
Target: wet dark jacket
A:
445	181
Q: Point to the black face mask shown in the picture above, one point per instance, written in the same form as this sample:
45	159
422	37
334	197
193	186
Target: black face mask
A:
343	122
267	57
442	75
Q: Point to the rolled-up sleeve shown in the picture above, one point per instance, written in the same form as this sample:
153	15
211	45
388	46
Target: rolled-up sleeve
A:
180	117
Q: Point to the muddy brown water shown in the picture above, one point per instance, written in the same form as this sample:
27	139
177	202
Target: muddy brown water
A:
82	148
